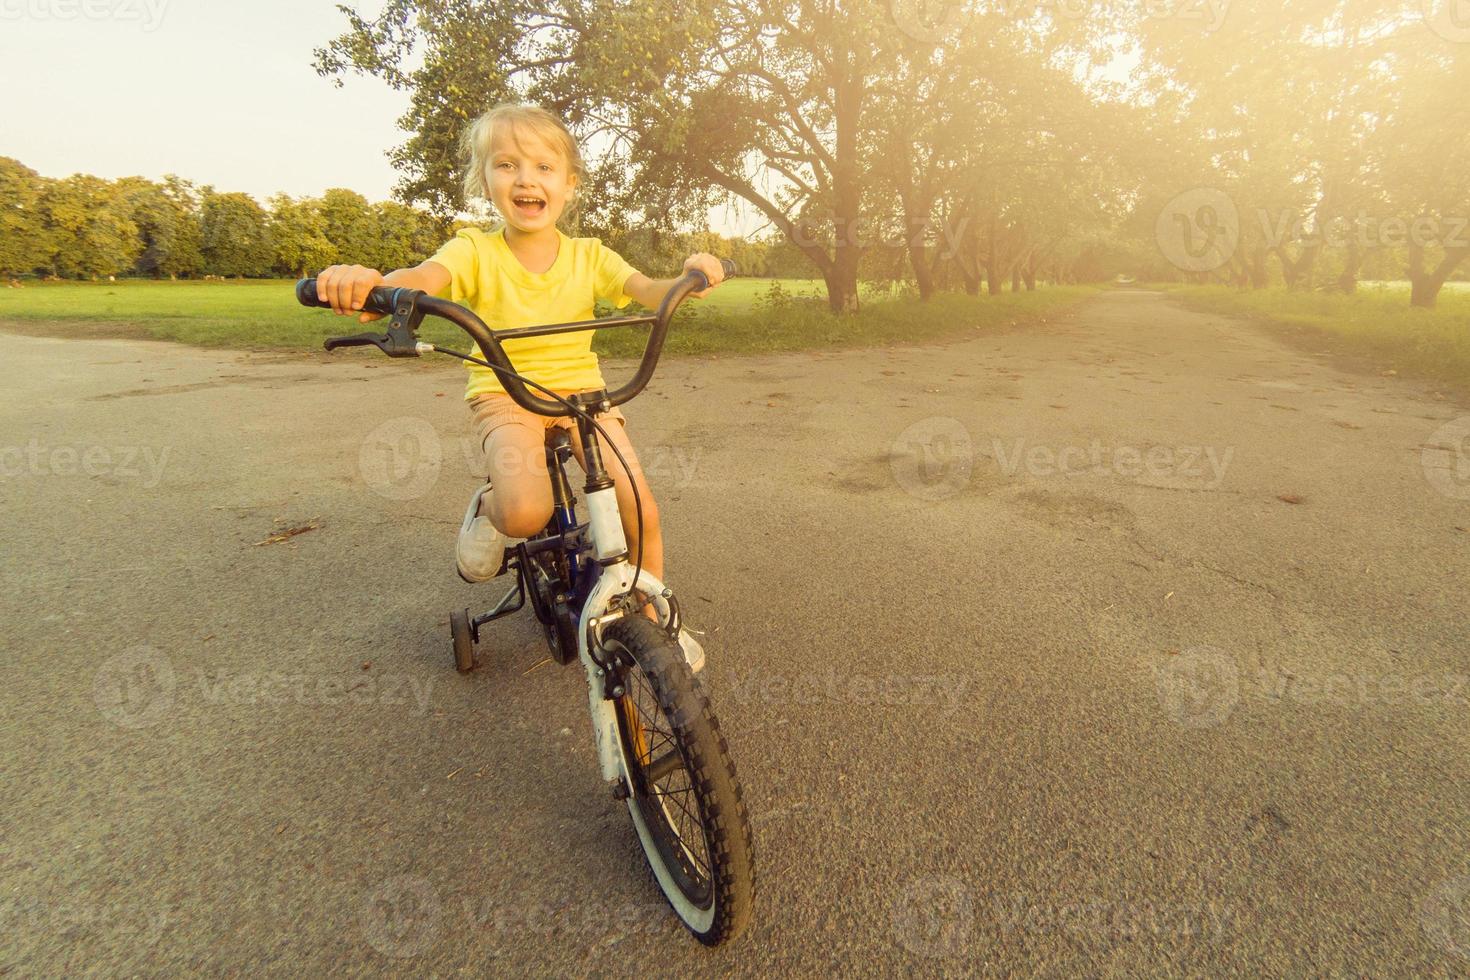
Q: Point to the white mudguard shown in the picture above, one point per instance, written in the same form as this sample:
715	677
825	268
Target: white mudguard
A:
614	581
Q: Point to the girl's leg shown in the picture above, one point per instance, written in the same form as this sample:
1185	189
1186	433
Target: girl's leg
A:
520	501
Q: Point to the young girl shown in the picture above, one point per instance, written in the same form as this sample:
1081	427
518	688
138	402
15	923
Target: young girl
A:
527	273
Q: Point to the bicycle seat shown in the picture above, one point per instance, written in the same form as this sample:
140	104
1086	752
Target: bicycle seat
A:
558	439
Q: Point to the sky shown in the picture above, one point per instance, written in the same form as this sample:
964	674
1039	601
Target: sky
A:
218	92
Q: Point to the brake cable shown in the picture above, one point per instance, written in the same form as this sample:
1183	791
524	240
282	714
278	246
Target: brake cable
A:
632	482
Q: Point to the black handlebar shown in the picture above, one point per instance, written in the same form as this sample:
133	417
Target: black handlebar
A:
408	307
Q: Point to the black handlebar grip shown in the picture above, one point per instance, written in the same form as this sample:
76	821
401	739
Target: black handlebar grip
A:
380	300
730	270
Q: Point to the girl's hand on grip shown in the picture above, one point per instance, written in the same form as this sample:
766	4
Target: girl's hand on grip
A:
346	288
710	266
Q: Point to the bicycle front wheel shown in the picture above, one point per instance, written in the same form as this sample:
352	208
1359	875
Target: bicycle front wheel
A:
684	797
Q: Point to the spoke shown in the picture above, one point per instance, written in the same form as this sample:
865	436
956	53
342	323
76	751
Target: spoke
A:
679	817
682	808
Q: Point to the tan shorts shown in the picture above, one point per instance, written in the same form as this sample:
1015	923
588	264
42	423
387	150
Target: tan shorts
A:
492	411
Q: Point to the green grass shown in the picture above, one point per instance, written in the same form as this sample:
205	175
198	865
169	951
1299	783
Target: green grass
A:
741	316
1376	322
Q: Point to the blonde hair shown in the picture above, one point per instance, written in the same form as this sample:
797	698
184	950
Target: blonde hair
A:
519	118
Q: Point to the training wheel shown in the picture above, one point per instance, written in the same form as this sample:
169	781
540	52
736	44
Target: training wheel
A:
464	641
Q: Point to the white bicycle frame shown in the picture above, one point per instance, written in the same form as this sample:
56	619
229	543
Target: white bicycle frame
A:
608	541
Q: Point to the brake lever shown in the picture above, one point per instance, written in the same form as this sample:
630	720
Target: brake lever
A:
358	340
401	340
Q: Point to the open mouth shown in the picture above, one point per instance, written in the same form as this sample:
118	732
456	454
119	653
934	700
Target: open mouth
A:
528	205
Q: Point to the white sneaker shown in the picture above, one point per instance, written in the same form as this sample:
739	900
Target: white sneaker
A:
479	554
693	650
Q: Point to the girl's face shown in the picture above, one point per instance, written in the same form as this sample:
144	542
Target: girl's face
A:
530	181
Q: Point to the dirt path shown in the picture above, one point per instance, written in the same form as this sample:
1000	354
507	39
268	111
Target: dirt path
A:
1136	642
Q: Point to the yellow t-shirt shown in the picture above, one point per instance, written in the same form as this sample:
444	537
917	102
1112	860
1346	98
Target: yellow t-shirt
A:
487	277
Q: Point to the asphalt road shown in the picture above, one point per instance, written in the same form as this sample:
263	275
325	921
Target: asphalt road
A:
1136	643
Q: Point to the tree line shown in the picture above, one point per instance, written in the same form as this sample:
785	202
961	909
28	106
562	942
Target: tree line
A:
86	227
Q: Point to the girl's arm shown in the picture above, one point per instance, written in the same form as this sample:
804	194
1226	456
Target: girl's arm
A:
346	287
651	292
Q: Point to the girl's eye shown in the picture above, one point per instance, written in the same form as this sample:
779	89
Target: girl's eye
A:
546	167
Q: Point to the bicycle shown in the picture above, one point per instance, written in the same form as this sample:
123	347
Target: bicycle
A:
659	744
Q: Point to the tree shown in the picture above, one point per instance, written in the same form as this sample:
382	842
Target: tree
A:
236	237
1426	151
23	247
405	236
298	234
167	219
351	225
90	229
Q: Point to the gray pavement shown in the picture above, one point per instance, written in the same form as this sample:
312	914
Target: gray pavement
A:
1135	643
